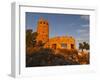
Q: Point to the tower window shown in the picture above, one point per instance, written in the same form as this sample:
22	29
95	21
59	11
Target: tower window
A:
44	22
41	22
63	45
72	46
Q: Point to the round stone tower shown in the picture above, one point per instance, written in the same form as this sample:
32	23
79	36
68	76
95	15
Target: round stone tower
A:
42	30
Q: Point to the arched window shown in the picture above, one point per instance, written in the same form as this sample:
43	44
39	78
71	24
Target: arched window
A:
63	45
72	46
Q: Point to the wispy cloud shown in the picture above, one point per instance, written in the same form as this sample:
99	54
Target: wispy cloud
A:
81	30
85	17
84	29
83	33
72	24
86	34
85	25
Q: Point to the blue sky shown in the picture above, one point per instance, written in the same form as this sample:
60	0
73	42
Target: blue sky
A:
62	24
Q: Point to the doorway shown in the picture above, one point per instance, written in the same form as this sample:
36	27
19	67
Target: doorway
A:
54	46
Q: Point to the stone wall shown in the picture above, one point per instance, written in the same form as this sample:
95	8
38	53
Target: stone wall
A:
61	42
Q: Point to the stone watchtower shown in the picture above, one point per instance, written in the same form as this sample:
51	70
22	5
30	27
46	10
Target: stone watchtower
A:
42	30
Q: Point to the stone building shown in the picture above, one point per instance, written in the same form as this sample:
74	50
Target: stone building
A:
61	42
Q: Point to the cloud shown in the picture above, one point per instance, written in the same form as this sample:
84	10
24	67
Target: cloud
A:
84	29
85	17
81	30
85	25
72	24
86	34
83	34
